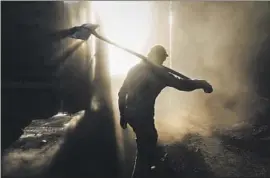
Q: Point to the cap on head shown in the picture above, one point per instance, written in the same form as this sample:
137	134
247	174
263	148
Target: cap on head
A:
158	50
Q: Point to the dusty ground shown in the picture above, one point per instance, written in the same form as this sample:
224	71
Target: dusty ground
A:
195	156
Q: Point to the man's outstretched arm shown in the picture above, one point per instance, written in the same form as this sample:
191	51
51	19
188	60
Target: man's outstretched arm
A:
182	84
188	84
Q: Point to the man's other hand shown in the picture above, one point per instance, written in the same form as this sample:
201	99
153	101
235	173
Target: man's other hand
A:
123	123
207	88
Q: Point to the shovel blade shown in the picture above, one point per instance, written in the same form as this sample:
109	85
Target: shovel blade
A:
84	31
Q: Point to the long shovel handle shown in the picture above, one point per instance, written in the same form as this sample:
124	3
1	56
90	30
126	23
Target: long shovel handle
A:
140	56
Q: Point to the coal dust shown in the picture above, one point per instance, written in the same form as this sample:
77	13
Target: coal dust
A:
214	41
217	42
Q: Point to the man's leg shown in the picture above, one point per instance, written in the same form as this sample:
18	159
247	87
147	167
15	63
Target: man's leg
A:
146	147
141	165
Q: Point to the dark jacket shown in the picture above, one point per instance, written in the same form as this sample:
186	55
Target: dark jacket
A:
142	86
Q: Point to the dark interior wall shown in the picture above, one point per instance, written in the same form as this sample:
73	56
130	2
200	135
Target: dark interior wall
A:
30	77
25	44
24	51
75	70
262	81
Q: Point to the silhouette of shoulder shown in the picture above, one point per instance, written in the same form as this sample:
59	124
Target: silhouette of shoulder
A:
140	67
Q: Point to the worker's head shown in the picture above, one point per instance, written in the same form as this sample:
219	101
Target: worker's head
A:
157	54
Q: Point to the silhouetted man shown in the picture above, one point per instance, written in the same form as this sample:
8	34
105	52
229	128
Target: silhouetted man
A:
136	104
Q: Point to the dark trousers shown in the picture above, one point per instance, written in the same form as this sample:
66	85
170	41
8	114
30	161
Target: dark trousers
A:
146	138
